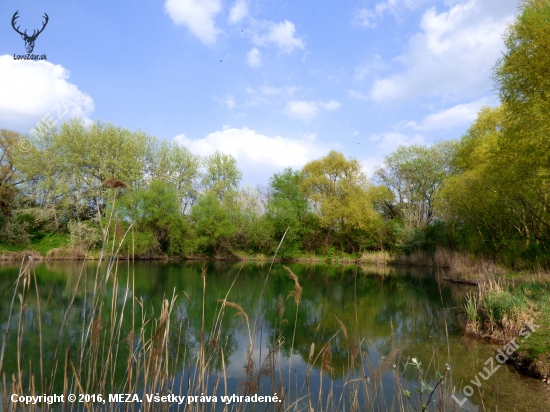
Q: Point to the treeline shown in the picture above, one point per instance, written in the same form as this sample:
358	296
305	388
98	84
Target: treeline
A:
486	193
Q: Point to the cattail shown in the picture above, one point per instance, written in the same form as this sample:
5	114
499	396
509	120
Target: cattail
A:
326	366
343	327
96	329
280	307
297	292
240	310
118	230
113	183
311	352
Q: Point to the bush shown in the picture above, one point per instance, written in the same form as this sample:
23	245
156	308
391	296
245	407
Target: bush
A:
83	235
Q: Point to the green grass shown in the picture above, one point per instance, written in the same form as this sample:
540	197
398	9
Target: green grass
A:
528	300
43	245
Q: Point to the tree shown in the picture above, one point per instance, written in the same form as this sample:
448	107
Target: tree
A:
414	174
522	75
252	229
8	143
495	205
176	165
469	197
64	171
221	175
160	227
288	208
212	224
338	191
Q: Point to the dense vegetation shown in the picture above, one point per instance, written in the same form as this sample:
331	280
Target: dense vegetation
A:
486	193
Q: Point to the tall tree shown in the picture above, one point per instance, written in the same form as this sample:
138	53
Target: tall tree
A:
176	165
221	175
8	144
66	168
338	191
288	208
414	174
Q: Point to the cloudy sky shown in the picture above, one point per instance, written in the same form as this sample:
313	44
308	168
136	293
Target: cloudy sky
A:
275	83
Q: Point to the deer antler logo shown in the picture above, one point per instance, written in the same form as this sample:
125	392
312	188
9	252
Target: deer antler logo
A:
29	40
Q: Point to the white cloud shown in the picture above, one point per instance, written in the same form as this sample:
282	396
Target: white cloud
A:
363	70
280	35
354	94
254	58
228	101
275	91
197	15
367	17
308	110
459	115
258	156
33	90
453	55
238	12
385	143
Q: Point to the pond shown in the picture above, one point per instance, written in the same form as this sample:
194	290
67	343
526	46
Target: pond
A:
351	326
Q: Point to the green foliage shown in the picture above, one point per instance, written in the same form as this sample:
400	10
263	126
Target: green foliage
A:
486	193
221	175
338	191
8	191
414	174
499	305
288	208
212	225
84	235
49	242
176	166
158	221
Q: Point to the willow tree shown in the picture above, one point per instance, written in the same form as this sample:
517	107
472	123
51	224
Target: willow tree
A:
221	175
338	191
177	166
523	79
414	174
8	144
65	169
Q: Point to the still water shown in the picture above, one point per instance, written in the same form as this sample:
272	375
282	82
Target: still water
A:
391	313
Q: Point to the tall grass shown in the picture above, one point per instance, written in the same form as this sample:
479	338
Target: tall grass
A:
156	358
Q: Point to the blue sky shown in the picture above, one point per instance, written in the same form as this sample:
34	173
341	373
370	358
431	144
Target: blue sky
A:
274	83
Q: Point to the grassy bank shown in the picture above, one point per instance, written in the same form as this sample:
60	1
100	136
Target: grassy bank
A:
500	311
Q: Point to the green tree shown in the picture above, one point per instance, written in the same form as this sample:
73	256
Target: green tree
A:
338	191
8	144
65	169
221	175
253	231
159	225
177	166
213	225
288	208
414	174
495	204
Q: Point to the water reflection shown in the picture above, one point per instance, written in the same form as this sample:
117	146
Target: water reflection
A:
381	309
